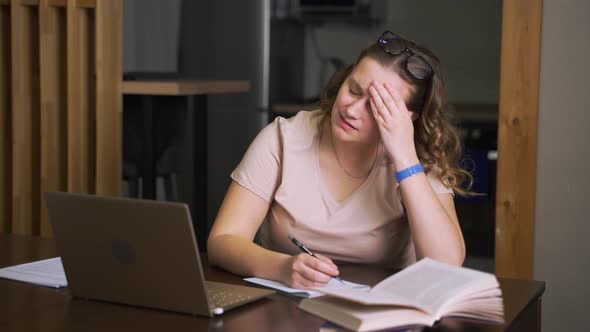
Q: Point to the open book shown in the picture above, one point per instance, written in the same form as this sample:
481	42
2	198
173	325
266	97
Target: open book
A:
419	295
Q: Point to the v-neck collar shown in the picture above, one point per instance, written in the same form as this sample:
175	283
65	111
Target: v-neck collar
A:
324	189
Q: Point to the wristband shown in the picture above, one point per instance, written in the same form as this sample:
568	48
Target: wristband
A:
406	173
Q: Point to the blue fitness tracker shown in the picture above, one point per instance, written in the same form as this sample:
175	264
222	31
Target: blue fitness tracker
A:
406	173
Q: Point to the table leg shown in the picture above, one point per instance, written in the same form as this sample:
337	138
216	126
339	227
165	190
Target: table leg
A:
538	309
529	319
149	148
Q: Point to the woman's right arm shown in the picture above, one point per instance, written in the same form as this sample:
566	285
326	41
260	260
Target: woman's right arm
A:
231	247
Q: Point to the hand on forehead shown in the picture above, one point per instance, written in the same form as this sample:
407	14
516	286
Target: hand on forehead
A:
369	70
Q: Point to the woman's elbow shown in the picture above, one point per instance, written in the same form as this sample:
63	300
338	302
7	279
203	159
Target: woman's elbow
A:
457	260
213	249
453	258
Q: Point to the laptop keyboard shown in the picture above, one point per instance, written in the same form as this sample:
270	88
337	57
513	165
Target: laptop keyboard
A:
221	297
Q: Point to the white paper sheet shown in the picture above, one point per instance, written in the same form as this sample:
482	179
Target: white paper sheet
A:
304	292
48	272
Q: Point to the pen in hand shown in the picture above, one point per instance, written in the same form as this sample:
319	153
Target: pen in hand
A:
307	251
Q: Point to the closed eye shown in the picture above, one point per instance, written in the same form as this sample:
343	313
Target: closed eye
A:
354	92
354	88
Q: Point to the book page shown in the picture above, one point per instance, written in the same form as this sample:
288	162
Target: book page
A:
367	297
432	283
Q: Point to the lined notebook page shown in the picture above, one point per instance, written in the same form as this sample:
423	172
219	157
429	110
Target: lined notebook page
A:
306	292
48	272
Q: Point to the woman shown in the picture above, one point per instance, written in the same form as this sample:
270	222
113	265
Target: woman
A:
368	178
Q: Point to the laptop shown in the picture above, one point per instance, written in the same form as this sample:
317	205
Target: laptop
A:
137	252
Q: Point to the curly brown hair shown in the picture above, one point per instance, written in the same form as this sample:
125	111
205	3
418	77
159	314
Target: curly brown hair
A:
436	136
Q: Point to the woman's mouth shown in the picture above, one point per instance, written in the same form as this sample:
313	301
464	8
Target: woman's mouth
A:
345	124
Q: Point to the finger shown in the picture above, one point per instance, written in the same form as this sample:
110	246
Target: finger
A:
328	261
379	105
396	98
299	281
314	269
394	95
386	97
313	275
380	121
326	268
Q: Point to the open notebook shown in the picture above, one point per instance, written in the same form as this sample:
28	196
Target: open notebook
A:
308	293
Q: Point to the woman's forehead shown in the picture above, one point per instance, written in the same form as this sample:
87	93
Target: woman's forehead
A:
369	70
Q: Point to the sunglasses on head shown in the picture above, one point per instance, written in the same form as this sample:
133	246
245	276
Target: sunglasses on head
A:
415	64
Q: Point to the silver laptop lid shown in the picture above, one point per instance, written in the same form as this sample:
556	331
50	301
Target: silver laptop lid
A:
129	251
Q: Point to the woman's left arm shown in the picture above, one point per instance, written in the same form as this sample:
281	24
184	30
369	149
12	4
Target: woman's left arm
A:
433	221
432	218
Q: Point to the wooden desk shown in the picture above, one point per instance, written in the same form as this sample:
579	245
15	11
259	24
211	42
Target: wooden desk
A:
25	307
196	93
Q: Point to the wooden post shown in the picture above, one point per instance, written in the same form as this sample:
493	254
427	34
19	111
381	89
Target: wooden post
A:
52	50
5	120
78	108
25	119
517	138
109	100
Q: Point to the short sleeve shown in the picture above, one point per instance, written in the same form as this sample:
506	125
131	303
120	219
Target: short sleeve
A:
260	168
436	182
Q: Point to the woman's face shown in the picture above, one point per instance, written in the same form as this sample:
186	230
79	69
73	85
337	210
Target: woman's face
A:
351	118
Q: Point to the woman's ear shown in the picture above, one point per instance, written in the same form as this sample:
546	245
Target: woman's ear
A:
415	116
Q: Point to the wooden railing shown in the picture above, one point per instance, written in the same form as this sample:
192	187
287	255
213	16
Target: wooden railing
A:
60	105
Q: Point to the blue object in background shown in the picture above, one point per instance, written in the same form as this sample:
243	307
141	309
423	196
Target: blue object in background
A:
476	161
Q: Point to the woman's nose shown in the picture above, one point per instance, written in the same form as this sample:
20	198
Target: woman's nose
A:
357	108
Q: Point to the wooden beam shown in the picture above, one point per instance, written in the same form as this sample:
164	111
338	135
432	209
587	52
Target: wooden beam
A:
77	3
86	3
5	122
109	98
52	38
57	3
78	108
28	2
517	138
54	3
25	120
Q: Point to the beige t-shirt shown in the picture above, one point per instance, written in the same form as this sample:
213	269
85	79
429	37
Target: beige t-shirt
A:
369	226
